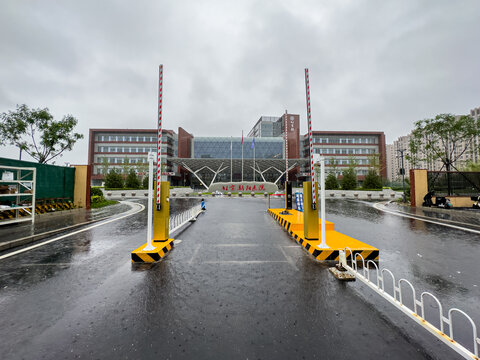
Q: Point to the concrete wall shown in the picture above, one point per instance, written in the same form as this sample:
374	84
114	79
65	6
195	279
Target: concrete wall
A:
418	186
386	194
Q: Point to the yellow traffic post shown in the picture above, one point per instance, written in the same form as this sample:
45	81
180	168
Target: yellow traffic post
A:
161	217
160	244
310	216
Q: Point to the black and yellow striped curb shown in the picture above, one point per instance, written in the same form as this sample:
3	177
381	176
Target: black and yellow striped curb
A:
161	250
341	241
39	209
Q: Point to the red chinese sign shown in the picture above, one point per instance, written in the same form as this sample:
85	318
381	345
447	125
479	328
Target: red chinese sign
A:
241	187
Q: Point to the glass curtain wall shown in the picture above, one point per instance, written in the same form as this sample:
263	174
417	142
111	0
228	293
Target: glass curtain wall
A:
219	148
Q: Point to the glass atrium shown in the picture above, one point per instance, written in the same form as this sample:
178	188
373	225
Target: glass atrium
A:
219	148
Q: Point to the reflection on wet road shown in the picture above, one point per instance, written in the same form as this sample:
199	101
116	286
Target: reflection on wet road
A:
237	286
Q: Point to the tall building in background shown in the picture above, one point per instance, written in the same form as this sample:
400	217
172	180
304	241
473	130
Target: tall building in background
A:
123	149
365	149
271	126
390	161
402	143
201	160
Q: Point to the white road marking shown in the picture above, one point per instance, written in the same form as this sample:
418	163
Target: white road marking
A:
289	259
195	252
235	245
129	213
382	207
243	262
52	264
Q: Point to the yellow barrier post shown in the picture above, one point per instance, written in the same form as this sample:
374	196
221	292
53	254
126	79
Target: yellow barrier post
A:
310	216
161	229
155	250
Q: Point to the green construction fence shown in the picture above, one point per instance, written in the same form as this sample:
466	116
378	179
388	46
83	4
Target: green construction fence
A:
53	182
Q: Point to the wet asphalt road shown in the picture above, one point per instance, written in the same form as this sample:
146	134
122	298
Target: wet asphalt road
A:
236	287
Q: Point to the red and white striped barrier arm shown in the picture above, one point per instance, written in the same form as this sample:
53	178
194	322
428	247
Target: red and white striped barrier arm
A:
310	136
286	145
159	144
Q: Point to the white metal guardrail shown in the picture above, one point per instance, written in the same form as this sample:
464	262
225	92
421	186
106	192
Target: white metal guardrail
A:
397	299
178	220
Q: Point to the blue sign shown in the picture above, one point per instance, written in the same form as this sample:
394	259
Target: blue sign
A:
299	201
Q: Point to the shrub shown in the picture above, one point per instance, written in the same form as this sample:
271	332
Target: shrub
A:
372	180
95	199
113	180
95	191
349	180
132	181
331	182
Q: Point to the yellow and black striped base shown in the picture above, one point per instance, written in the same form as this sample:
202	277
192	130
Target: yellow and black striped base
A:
150	256
335	240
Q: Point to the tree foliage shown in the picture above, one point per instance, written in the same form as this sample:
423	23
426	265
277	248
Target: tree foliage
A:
446	138
113	180
372	180
331	182
471	166
132	181
145	182
105	166
37	133
349	180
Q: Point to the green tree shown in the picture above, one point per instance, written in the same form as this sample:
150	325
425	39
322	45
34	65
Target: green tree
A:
126	167
331	182
333	164
105	166
471	166
113	180
142	168
349	179
145	182
372	180
37	133
446	138
132	181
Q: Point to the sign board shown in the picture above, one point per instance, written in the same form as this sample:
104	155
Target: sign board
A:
169	173
7	175
246	186
299	201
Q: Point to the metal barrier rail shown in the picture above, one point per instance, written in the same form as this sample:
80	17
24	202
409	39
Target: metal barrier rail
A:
397	301
176	221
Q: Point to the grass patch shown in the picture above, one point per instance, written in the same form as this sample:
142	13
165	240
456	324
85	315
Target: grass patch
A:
103	203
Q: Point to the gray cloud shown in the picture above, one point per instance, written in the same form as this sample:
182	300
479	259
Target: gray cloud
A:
375	65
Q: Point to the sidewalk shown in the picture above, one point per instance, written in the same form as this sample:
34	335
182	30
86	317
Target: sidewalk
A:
464	217
48	224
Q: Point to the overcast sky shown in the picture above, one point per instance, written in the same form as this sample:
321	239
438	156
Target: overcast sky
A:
374	65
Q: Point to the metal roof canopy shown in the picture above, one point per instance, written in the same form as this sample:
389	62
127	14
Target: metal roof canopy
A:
216	166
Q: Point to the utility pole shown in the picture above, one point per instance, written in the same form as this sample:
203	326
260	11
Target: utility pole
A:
402	171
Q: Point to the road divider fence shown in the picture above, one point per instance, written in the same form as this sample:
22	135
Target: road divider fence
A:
397	298
178	220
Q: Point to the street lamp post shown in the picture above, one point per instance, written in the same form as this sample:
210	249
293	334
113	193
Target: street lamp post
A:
402	171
